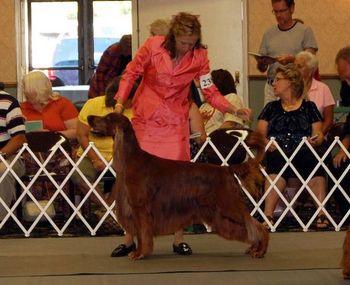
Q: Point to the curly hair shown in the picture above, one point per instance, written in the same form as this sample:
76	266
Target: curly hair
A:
183	24
224	81
292	73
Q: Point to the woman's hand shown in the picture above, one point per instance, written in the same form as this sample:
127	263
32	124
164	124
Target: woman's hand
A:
206	115
339	158
285	59
98	164
245	114
119	108
316	139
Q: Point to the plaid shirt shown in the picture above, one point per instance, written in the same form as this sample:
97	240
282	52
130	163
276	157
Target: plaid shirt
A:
111	65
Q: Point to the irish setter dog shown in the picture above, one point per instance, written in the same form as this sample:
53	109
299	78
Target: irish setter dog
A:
345	263
156	196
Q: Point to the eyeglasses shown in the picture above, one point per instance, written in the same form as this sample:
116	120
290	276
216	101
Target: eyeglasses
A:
278	79
275	12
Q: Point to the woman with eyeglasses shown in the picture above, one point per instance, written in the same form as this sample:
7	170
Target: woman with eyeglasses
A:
288	120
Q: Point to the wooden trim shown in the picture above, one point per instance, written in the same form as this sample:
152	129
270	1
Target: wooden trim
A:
323	77
10	84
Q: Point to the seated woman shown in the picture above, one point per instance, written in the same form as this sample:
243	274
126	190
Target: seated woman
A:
57	114
213	118
92	165
288	120
317	92
314	90
216	122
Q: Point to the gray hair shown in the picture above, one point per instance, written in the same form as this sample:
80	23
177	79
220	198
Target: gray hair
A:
159	27
310	60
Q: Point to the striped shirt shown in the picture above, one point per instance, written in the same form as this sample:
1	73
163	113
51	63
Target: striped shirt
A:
11	118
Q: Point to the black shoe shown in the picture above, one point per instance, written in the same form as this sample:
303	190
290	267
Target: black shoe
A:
123	250
182	249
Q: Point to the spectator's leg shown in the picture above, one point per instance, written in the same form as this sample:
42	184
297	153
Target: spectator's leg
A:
8	185
90	173
272	198
318	187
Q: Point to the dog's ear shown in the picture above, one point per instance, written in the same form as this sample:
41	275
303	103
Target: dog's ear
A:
91	120
118	121
99	126
107	125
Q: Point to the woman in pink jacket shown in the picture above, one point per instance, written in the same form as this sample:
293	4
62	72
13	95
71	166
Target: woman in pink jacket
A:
161	104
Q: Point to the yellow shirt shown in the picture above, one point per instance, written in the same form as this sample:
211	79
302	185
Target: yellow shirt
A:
96	106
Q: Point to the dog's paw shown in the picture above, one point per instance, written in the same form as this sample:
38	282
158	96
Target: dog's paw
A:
254	252
135	255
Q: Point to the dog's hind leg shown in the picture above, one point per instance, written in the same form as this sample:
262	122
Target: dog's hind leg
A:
247	230
258	237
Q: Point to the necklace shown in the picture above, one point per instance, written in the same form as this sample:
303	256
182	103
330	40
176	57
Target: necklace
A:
291	107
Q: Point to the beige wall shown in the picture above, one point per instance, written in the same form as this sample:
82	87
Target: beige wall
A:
329	20
7	42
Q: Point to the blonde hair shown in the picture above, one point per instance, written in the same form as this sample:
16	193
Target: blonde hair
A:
38	87
292	73
159	27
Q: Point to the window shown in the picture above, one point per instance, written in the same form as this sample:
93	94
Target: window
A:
67	38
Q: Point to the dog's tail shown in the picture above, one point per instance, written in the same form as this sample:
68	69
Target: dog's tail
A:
249	171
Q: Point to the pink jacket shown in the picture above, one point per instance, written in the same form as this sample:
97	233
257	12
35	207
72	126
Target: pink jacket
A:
161	105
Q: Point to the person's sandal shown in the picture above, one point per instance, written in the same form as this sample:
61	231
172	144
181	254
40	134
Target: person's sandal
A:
322	222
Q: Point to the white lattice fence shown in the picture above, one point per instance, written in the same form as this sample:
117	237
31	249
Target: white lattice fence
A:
76	208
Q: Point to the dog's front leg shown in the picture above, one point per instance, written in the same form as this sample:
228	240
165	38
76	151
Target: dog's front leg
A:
144	232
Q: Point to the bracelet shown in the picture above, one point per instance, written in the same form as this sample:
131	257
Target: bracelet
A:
120	105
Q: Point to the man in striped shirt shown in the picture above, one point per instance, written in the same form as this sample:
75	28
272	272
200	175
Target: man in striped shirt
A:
12	137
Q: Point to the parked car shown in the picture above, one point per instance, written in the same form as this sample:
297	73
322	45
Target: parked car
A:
66	56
